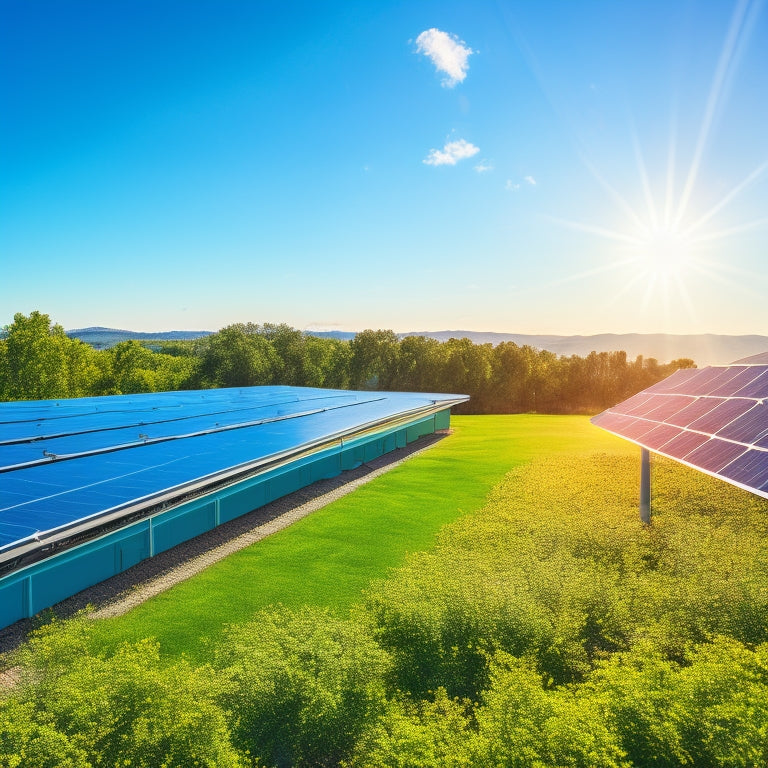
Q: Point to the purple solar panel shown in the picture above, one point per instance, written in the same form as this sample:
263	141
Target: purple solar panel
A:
641	407
750	469
748	428
660	435
756	388
698	384
724	414
713	419
715	454
739	380
668	407
694	411
671	383
680	446
638	401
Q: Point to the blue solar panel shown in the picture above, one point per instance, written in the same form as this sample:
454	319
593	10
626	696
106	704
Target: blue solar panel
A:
714	419
64	461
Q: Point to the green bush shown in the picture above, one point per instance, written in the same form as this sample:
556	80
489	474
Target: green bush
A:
127	709
434	733
29	739
524	725
301	685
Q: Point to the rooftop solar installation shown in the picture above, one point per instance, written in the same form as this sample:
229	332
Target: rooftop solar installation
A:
714	419
66	465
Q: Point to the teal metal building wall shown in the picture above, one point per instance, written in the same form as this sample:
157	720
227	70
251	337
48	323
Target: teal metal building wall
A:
29	590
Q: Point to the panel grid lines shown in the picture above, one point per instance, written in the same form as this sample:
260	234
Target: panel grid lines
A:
714	420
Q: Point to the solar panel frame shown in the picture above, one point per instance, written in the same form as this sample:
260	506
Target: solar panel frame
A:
722	431
126	455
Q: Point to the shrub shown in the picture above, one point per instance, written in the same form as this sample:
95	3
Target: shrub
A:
302	685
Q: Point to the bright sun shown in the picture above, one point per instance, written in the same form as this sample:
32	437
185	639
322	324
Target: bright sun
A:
665	252
665	242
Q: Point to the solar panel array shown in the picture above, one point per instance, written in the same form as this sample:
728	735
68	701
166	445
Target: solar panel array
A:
64	461
714	419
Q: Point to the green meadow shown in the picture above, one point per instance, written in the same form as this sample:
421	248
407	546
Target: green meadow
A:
328	558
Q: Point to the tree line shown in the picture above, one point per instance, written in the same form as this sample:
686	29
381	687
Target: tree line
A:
39	361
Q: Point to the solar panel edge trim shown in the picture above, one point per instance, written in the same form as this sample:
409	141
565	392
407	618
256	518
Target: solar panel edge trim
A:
214	482
733	431
744	487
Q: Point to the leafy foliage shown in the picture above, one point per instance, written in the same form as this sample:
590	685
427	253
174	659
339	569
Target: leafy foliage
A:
302	685
37	360
127	709
548	629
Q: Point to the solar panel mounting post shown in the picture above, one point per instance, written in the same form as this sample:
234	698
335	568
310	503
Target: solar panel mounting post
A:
645	486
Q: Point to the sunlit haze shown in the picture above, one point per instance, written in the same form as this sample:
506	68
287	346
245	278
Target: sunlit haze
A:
553	167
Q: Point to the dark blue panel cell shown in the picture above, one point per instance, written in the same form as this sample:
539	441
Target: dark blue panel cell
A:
724	414
758	387
748	428
694	411
715	454
743	376
679	447
750	469
660	435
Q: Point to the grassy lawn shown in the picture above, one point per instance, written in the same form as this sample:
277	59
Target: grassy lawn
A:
328	558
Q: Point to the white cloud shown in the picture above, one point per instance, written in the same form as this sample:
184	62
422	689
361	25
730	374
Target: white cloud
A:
531	180
483	166
451	153
511	186
448	54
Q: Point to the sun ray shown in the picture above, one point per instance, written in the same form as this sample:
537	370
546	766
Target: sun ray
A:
740	187
718	277
628	286
670	187
722	233
576	276
650	205
727	57
618	199
649	291
608	234
685	296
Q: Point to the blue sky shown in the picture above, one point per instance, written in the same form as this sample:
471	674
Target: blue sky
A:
530	167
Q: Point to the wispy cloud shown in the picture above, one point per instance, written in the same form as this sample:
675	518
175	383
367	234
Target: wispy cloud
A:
483	166
451	153
447	52
513	186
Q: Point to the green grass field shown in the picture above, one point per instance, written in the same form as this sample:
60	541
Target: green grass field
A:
328	558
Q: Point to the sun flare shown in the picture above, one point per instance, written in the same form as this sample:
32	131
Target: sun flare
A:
663	244
665	252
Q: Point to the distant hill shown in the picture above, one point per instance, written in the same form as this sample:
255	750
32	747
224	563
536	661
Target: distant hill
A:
703	348
103	338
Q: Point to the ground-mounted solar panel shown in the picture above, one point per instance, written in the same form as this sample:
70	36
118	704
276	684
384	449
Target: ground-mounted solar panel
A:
713	419
114	469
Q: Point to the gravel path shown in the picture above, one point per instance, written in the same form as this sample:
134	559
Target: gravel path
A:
119	594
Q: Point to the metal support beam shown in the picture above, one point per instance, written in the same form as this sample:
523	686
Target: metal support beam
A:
645	486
